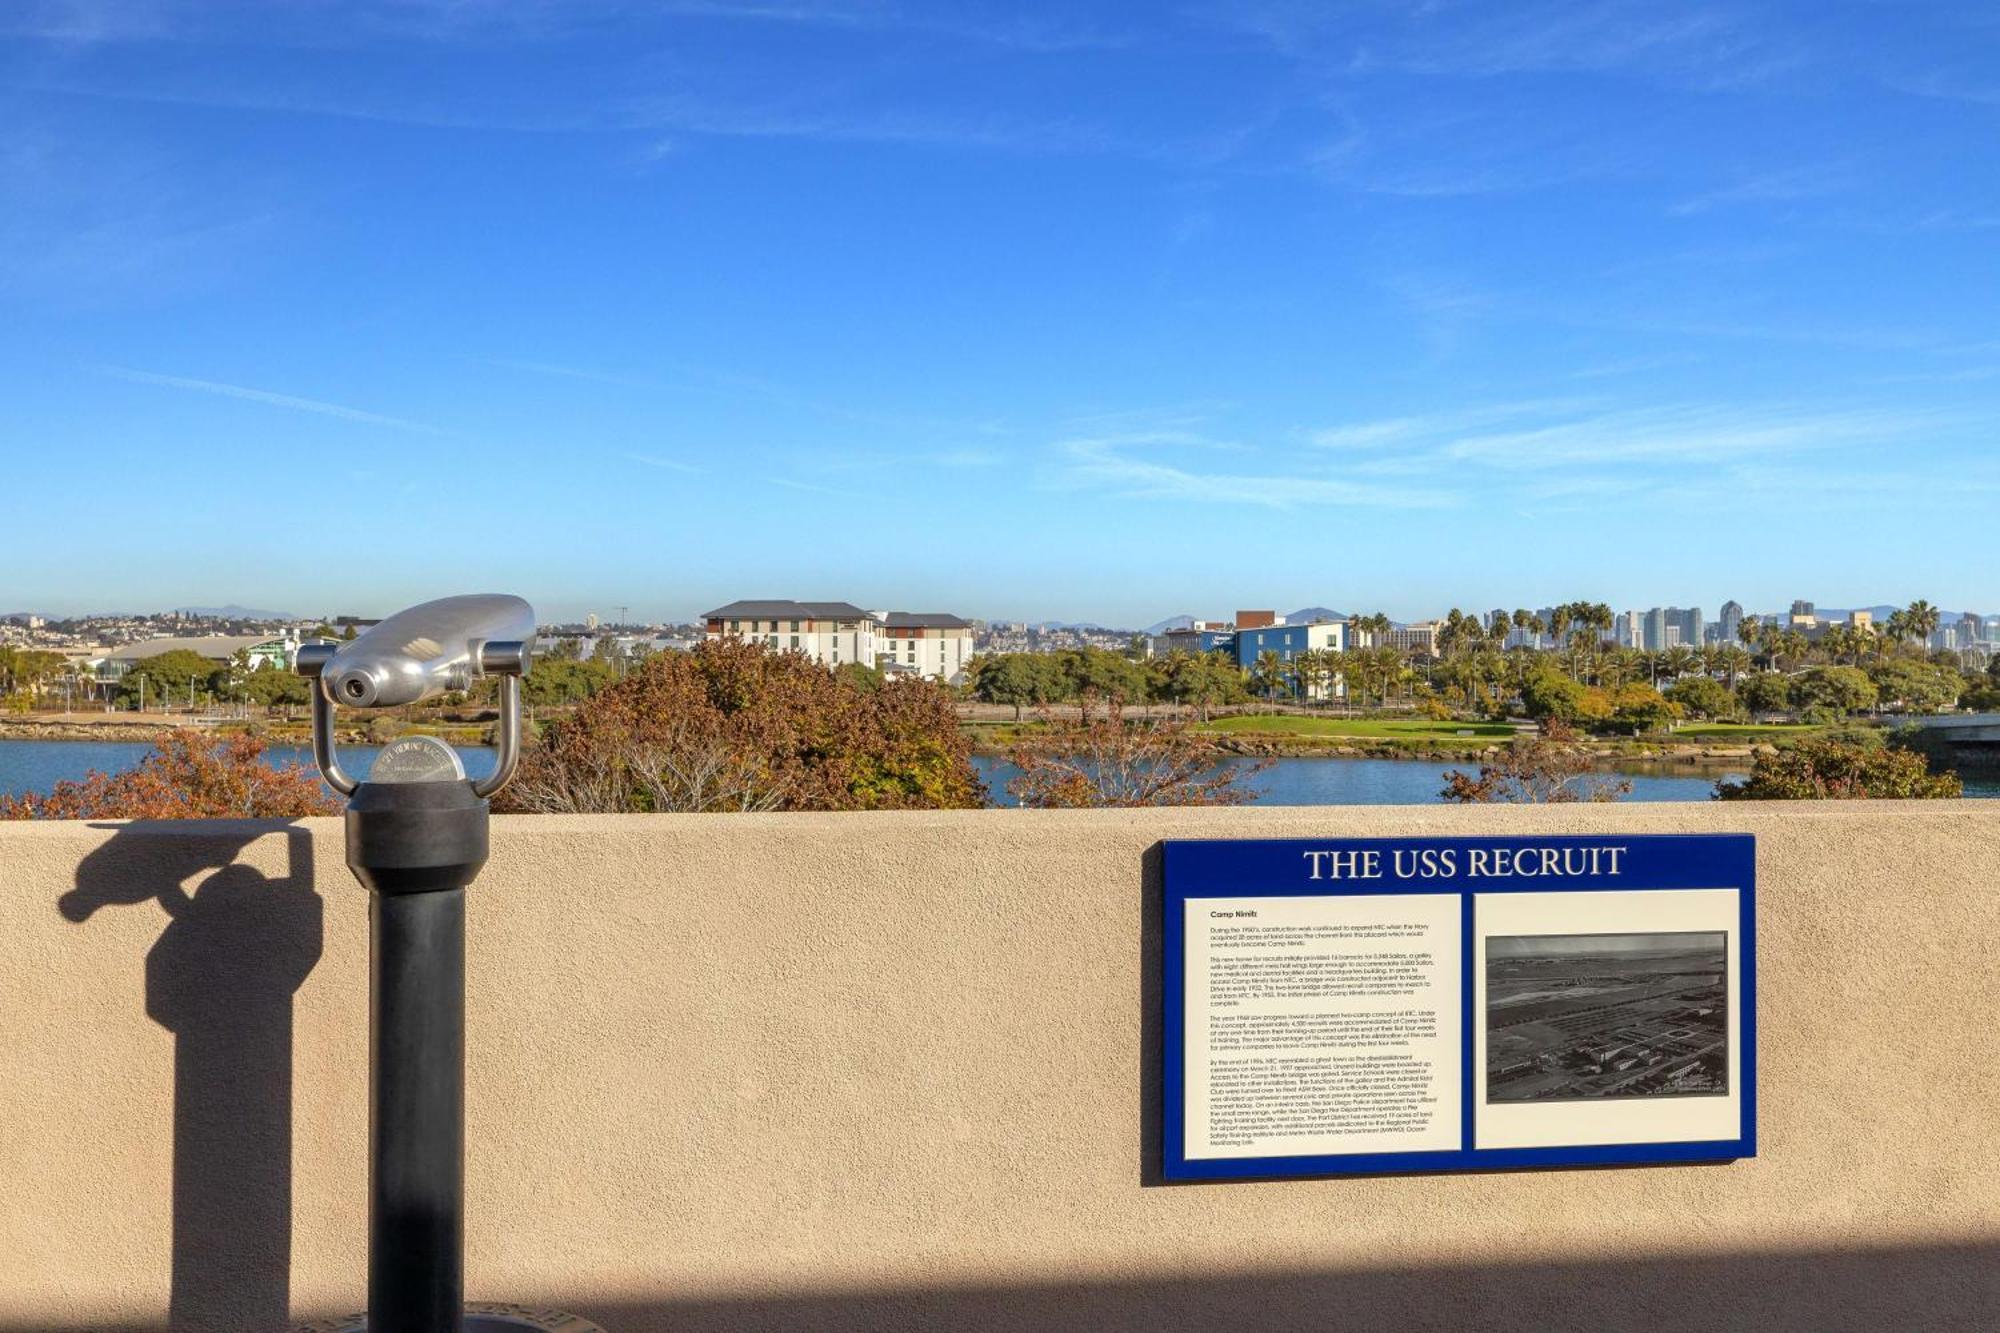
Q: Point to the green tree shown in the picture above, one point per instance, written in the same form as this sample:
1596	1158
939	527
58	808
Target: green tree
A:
1022	680
1203	680
170	676
1101	674
1920	621
566	680
273	688
1765	692
1548	693
1912	686
1638	707
1270	674
1838	689
1703	696
1823	769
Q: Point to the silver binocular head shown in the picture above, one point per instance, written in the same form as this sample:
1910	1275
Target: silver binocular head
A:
429	649
423	651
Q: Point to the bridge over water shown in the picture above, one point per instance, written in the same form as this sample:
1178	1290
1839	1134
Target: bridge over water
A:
1967	729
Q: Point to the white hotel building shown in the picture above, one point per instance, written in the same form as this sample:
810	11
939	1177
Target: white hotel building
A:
930	644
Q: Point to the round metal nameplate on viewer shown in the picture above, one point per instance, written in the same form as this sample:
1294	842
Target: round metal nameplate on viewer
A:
416	838
417	759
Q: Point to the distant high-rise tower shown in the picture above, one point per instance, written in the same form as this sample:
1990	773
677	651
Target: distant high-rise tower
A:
1732	621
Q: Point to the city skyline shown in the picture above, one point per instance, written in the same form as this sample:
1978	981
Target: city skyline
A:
1106	315
631	614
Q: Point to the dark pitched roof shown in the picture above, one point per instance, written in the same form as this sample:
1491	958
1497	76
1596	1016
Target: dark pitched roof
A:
924	620
755	609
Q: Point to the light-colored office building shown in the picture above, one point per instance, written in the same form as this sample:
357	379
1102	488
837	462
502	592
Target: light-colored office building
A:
929	644
932	644
1419	639
829	632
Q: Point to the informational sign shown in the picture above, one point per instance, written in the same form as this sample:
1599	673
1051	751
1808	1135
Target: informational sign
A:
1435	1004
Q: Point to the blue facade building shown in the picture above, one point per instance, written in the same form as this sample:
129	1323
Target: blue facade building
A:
1288	642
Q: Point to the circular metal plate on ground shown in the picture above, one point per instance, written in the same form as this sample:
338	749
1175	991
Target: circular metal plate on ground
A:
484	1317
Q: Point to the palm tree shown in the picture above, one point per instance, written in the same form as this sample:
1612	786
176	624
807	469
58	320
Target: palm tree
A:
1920	620
1679	661
1733	662
1268	674
1316	668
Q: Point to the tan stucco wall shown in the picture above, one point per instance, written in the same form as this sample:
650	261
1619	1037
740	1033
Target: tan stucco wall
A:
886	1071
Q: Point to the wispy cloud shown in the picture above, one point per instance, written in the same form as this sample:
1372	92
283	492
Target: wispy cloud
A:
1015	31
1775	187
1564	451
1403	430
1130	466
965	458
1687	435
1704	45
270	399
814	488
666	464
570	372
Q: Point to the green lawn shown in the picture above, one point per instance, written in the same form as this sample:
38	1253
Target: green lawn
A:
1361	727
1742	731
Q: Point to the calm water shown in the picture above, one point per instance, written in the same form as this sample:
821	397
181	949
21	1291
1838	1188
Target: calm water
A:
38	765
1297	781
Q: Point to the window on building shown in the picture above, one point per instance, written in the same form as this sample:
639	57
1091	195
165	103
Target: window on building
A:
795	641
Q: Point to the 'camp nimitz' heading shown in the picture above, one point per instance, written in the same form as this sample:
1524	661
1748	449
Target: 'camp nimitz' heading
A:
1476	863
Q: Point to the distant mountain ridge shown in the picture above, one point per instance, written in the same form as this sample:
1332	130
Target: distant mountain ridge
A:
1313	613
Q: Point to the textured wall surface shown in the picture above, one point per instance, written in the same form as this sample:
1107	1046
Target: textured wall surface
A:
894	1071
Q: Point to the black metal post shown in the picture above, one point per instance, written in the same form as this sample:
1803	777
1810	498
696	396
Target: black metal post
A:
416	846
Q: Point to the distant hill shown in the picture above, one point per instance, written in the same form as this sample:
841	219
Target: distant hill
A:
234	612
1068	624
1171	622
1313	613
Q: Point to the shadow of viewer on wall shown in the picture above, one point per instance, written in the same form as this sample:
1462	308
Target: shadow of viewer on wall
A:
221	979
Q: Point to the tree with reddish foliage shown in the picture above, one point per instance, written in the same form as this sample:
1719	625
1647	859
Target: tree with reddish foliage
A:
1108	761
187	776
1552	768
732	727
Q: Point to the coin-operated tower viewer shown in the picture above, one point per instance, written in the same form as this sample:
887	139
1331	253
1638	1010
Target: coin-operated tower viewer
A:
416	837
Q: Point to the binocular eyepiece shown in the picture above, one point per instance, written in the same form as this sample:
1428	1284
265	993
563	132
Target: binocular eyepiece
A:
420	652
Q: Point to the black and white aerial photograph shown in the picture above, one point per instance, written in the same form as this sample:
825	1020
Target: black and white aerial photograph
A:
1595	1017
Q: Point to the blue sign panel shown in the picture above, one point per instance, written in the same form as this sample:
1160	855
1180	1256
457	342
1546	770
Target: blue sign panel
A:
1374	1005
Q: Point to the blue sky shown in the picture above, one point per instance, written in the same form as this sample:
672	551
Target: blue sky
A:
1071	311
